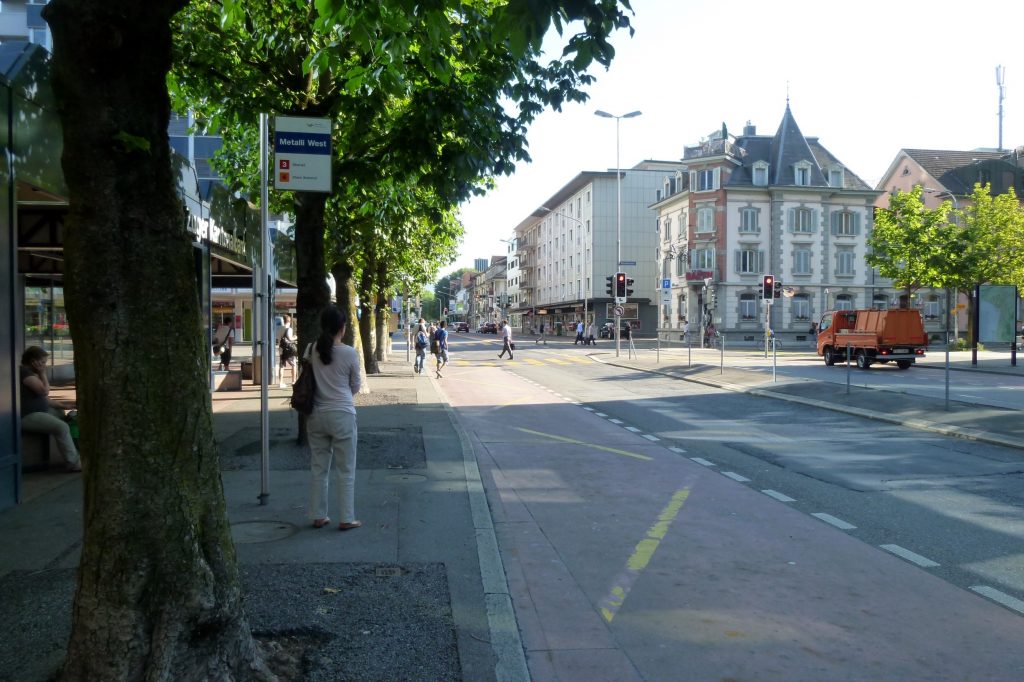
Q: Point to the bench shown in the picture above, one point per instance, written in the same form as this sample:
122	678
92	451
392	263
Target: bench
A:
35	451
230	380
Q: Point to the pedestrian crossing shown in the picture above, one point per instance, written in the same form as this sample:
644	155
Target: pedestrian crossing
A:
535	361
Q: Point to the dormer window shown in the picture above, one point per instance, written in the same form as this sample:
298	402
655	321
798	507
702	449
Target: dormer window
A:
802	173
760	178
679	181
835	177
705	180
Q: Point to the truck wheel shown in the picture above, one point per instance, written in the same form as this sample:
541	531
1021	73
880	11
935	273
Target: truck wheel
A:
904	364
830	358
862	360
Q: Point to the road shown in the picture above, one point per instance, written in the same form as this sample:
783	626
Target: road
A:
658	529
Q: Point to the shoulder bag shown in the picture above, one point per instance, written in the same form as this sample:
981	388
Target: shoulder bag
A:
304	387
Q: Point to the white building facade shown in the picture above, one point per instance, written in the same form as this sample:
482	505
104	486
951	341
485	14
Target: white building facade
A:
749	206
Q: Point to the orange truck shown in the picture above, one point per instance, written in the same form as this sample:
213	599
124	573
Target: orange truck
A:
872	336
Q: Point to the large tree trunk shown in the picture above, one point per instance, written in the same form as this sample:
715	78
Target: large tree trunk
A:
367	321
345	288
383	310
158	595
313	293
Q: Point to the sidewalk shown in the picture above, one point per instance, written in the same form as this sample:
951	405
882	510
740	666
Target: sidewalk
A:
403	597
999	426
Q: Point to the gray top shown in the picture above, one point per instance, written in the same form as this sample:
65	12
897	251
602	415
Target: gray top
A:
338	382
31	401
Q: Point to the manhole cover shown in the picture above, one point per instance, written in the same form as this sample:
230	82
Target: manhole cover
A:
406	478
252	532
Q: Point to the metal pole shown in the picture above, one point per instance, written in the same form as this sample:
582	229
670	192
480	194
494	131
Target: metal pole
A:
721	367
689	351
947	348
264	320
659	349
408	327
618	226
775	360
847	369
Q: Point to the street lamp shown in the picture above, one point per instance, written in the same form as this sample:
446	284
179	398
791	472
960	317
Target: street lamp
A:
585	264
618	203
945	316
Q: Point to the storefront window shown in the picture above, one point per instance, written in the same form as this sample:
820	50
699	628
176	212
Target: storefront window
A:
46	326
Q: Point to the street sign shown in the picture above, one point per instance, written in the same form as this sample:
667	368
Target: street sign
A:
620	299
618	310
666	297
666	284
627	262
302	154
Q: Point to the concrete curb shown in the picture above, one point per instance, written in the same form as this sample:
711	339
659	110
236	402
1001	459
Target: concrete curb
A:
919	424
501	617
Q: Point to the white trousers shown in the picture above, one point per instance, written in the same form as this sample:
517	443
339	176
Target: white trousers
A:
46	423
332	440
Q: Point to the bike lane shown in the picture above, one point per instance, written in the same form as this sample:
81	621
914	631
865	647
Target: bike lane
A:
626	560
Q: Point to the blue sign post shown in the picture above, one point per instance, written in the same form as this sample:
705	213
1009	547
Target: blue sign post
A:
302	154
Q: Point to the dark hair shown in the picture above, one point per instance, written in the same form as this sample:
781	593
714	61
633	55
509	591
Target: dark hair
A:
332	321
31	354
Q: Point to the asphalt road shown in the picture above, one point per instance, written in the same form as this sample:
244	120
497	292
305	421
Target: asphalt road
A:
651	525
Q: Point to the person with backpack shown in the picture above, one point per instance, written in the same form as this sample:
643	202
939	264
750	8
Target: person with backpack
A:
440	343
420	342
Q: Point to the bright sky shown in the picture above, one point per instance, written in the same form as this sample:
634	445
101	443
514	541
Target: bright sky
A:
867	78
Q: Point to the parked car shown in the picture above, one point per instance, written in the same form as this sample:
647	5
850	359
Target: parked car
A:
488	328
462	326
607	330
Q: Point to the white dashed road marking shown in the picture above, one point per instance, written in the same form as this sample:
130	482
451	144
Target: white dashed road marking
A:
702	461
632	428
778	496
912	557
1001	597
734	476
678	451
831	520
653	439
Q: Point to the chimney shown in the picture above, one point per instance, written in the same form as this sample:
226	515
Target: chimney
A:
749	130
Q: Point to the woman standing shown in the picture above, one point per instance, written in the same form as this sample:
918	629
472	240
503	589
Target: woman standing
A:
332	426
289	349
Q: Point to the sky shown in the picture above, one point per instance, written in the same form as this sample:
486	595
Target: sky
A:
866	78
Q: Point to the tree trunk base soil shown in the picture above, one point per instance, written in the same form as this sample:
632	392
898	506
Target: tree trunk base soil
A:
315	622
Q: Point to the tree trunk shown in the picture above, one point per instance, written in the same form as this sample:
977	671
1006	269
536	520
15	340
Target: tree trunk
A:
367	321
313	293
383	310
158	596
346	294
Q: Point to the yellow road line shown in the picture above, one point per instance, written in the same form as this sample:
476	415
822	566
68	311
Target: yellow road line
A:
642	555
531	361
563	439
556	361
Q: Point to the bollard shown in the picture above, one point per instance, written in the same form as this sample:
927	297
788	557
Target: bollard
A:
847	369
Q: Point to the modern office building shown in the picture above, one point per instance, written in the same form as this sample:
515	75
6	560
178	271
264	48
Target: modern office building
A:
567	247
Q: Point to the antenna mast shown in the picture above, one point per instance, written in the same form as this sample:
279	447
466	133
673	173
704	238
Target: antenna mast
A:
1000	74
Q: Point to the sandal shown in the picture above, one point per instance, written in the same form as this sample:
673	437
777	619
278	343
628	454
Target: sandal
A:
320	523
349	526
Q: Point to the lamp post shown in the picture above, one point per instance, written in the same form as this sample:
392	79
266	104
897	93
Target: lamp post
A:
618	204
945	316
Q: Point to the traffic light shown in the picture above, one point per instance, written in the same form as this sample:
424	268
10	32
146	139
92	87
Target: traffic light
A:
768	287
778	290
620	285
610	286
712	299
629	286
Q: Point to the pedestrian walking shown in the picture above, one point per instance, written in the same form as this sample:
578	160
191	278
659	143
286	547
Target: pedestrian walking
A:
420	342
38	414
541	337
332	425
441	352
813	333
289	350
591	339
686	330
579	333
506	340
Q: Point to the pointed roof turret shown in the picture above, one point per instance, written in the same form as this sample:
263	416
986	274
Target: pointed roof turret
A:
790	147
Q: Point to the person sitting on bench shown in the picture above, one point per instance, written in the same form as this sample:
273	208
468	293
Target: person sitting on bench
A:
37	413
